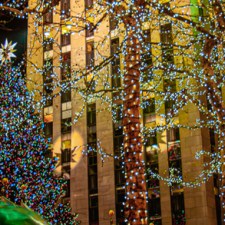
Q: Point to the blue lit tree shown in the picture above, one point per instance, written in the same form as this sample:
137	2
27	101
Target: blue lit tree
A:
26	172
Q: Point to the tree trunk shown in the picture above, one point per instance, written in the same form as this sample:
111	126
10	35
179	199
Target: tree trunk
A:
218	107
136	203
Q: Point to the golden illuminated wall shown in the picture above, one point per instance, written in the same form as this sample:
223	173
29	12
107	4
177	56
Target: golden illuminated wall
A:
199	203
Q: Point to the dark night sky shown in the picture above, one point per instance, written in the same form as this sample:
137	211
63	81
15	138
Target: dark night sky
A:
16	32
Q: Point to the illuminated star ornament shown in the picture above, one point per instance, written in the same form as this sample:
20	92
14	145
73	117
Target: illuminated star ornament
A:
7	51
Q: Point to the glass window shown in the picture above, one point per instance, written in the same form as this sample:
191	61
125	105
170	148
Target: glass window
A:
91	115
200	13
92	158
154	206
118	139
169	85
65	39
47	82
66	155
66	75
48	17
178	213
149	110
113	23
66	125
91	85
67	188
48	44
48	71
116	81
167	41
153	182
152	140
90	55
90	30
65	68
174	152
147	56
151	155
93	210
118	143
212	138
65	8
114	46
92	173
173	134
88	4
92	138
66	96
119	173
120	199
166	34
93	182
48	129
169	105
119	113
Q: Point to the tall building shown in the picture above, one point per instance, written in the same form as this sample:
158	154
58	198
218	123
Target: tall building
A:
61	45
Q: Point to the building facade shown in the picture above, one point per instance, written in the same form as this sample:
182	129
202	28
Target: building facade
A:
76	121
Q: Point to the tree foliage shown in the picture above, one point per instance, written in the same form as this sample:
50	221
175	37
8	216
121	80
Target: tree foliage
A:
26	171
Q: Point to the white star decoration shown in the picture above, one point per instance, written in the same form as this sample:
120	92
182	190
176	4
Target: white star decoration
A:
7	51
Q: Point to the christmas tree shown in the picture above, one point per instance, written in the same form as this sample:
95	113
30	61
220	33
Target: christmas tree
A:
26	173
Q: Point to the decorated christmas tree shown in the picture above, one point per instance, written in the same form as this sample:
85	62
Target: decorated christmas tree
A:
26	172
